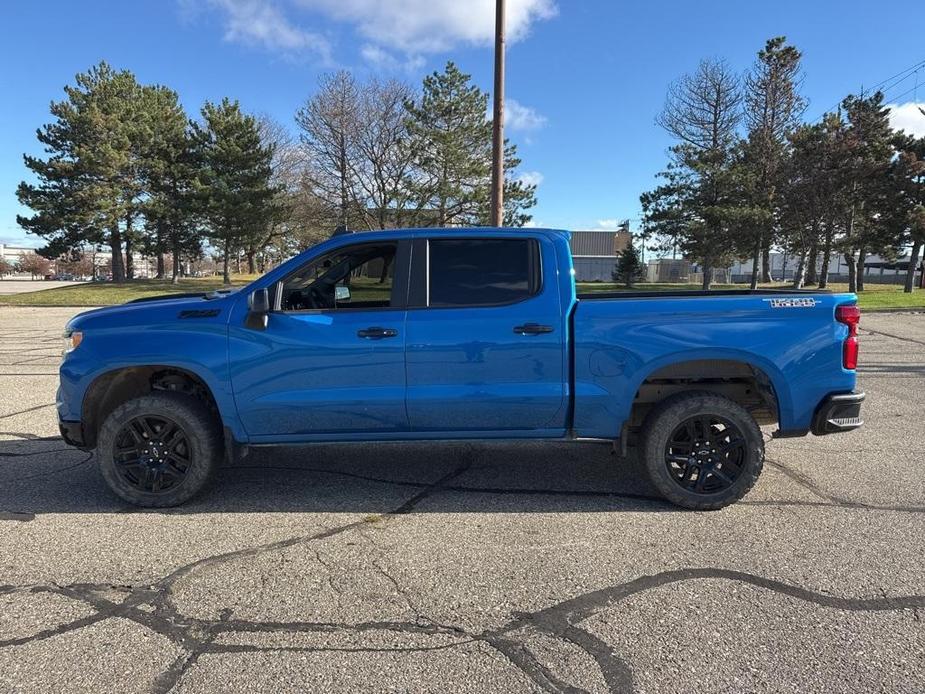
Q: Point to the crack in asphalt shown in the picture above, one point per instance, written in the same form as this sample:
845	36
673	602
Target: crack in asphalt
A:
895	337
152	607
194	636
48	473
833	499
30	409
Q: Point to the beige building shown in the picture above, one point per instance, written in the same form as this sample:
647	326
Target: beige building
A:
594	252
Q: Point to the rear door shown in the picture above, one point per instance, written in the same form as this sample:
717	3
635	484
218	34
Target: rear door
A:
485	340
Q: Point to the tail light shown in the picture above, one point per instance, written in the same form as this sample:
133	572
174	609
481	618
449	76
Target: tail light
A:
850	315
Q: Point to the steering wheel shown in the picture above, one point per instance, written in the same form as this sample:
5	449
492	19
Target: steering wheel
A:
316	298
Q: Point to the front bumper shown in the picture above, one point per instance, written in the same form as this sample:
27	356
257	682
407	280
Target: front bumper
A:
838	413
72	433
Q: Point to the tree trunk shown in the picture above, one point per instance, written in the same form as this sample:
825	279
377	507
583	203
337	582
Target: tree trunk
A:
826	257
801	271
226	277
129	261
852	272
862	259
115	245
756	260
707	276
384	275
176	263
251	261
913	263
766	260
161	270
812	274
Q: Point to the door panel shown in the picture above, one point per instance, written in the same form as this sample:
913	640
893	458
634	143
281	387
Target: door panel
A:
331	360
312	373
469	369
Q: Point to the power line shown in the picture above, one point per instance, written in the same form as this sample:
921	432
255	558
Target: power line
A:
900	77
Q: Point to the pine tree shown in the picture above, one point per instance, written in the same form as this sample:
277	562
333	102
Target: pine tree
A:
773	107
235	192
868	140
169	172
811	194
629	268
87	188
906	213
702	206
519	196
452	143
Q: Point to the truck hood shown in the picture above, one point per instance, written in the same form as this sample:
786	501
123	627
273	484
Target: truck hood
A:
157	310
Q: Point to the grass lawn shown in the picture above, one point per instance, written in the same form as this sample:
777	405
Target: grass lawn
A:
875	296
107	293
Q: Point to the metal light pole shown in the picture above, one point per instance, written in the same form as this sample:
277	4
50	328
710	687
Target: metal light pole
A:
497	136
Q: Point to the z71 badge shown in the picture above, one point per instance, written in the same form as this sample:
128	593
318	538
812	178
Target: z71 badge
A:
793	302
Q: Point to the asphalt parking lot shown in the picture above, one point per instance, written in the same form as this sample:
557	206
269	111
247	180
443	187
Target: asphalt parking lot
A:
21	285
466	567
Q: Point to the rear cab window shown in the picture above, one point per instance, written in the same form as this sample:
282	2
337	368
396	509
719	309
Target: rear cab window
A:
482	272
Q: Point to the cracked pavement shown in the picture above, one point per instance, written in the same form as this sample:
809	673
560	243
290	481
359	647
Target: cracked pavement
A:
466	567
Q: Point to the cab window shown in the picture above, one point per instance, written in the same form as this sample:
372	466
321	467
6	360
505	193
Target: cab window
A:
355	277
482	272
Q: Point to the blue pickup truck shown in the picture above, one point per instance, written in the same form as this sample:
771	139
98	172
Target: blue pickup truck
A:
431	334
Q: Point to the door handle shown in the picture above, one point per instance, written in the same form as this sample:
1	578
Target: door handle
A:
376	333
532	329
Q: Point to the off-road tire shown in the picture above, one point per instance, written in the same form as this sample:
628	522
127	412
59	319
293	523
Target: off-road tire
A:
662	422
205	445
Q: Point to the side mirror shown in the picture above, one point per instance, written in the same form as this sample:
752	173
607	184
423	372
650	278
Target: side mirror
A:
258	304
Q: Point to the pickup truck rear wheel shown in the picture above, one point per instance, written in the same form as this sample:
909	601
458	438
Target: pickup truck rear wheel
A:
160	449
702	451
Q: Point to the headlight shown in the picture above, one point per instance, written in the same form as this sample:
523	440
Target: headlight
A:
72	340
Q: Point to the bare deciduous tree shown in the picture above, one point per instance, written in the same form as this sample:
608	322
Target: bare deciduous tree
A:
702	108
329	126
384	156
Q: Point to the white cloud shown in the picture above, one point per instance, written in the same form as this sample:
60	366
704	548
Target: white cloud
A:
530	178
382	59
522	118
608	223
411	28
909	117
261	23
430	26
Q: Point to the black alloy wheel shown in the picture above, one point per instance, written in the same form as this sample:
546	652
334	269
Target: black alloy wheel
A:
705	454
152	453
160	449
701	450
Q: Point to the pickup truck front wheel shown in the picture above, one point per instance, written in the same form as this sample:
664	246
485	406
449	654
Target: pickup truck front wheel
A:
702	451
160	449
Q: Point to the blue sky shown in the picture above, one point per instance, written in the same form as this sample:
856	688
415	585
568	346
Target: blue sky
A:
586	77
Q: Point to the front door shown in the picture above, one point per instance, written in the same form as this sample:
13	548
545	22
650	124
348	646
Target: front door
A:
331	360
485	347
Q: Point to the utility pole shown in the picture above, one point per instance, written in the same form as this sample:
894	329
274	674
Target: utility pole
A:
497	135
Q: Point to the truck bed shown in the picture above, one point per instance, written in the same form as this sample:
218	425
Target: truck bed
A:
789	339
